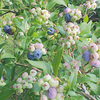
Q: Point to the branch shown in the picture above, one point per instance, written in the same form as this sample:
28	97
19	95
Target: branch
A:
27	66
89	70
85	93
8	12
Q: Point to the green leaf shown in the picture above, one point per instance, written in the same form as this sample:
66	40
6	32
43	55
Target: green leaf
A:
85	28
85	19
73	79
94	38
83	79
61	2
57	60
6	91
1	70
30	31
40	64
50	5
60	29
1	45
7	55
36	88
94	87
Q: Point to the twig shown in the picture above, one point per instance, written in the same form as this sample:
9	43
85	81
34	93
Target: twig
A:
84	67
85	93
8	12
89	70
28	66
89	97
69	52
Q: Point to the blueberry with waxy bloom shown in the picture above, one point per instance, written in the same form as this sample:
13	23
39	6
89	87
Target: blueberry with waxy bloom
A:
51	92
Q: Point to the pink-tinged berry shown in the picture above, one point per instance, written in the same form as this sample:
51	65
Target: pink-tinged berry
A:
4	23
34	80
98	46
60	96
24	75
19	80
45	86
68	44
47	77
94	5
44	97
68	30
72	42
40	82
93	47
51	93
95	63
29	86
74	33
67	10
70	24
76	37
18	86
31	48
53	82
33	72
75	17
70	38
75	67
73	61
24	84
84	47
39	46
29	78
94	56
60	88
66	65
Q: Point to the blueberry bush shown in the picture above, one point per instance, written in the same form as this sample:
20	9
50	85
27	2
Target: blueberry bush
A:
49	50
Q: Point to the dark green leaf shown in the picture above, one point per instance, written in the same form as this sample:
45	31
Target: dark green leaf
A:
40	64
57	60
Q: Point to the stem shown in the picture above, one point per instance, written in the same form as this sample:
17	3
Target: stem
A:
8	12
27	66
69	52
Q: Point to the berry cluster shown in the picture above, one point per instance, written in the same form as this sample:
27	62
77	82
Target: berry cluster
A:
40	13
26	81
91	4
72	14
51	88
72	31
2	83
73	65
35	51
91	54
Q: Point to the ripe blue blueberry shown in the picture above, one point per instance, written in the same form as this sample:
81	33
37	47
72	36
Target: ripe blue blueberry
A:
67	17
30	56
8	30
51	31
37	53
86	55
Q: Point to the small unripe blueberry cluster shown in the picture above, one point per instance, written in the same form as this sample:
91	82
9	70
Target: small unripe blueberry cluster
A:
74	13
90	4
36	51
72	65
72	31
26	81
51	88
92	55
2	83
40	13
